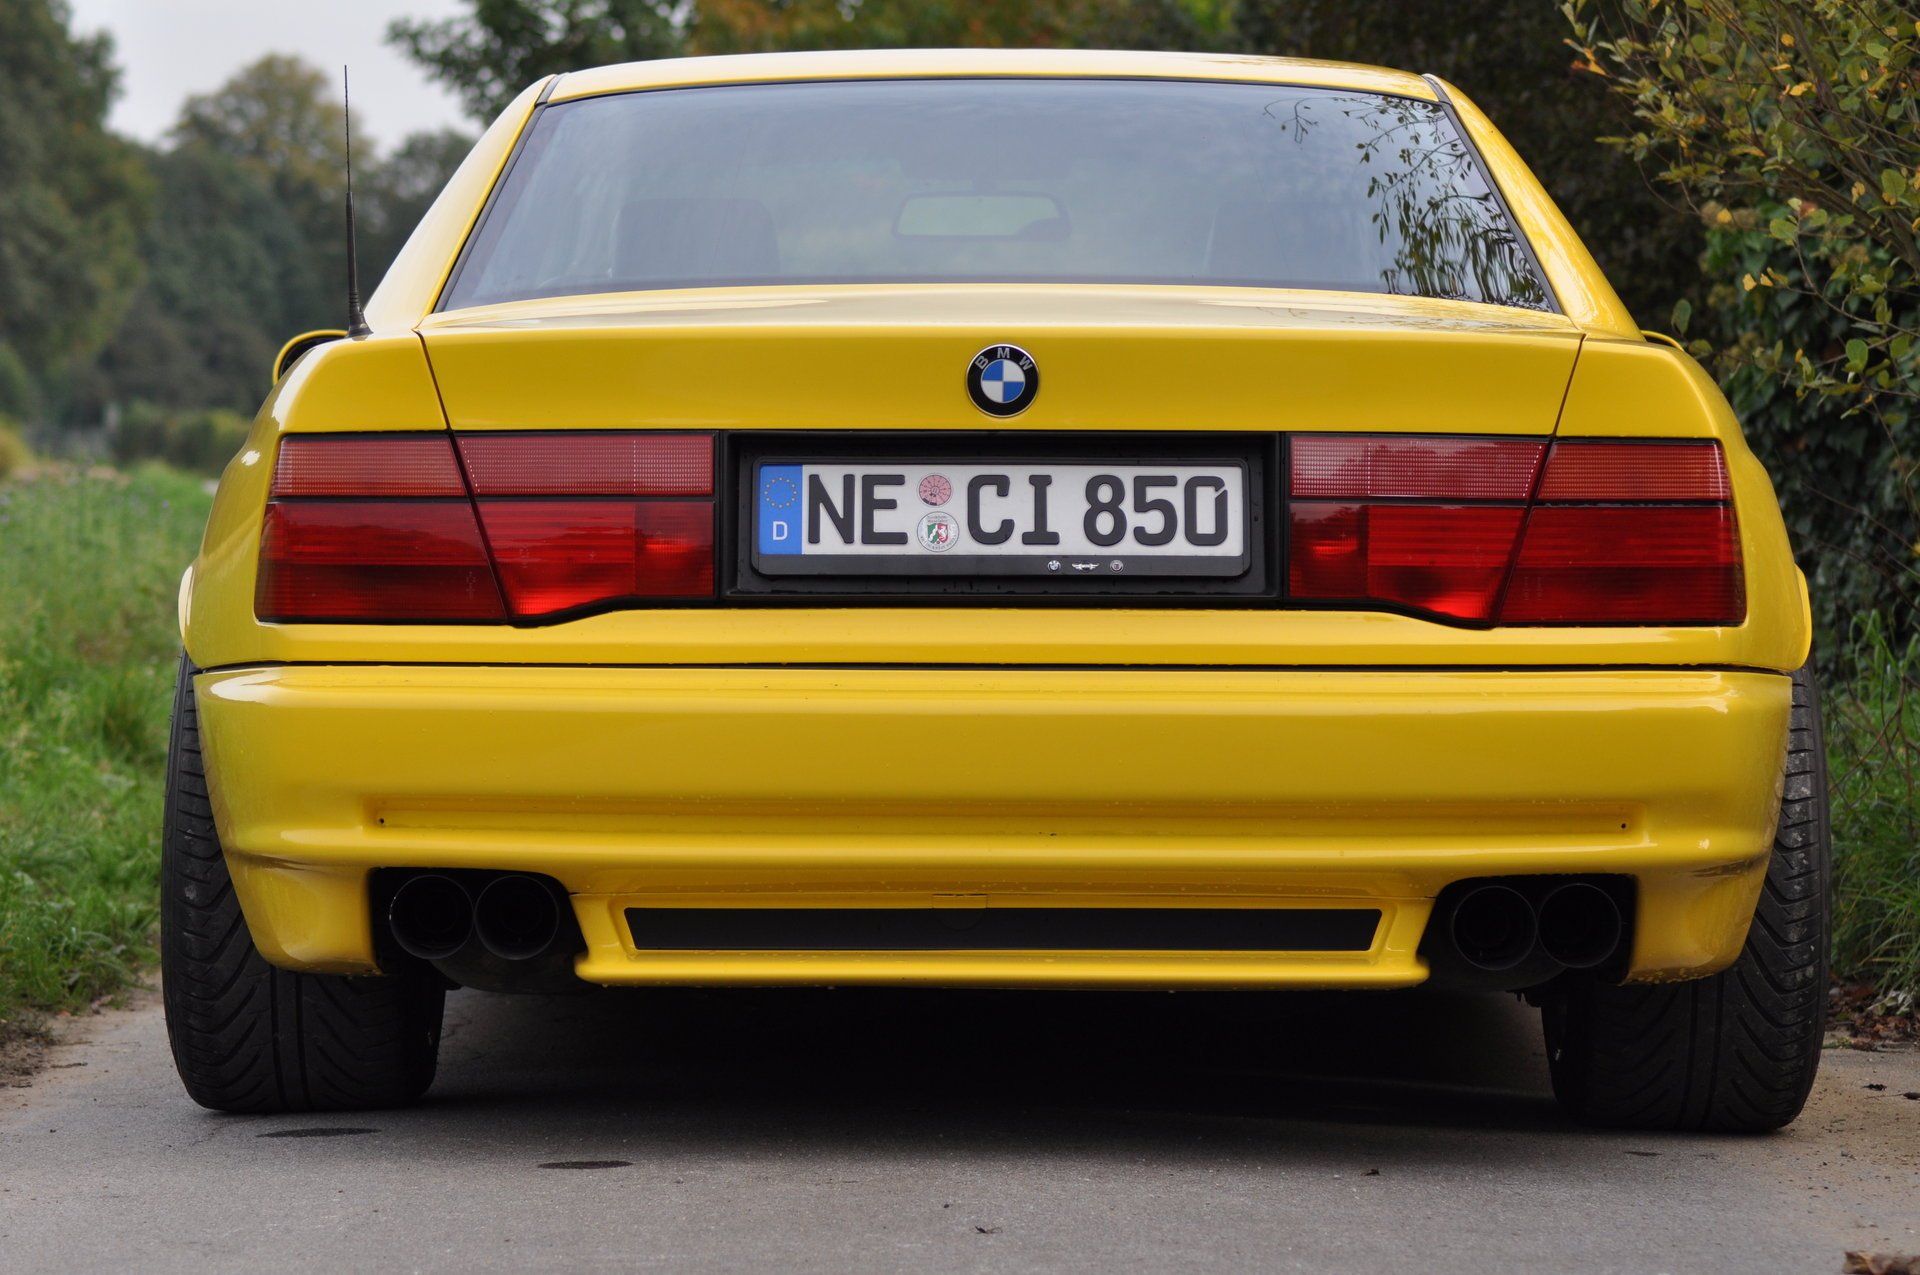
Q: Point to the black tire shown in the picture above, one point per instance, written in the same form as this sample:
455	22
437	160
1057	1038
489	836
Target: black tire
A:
1737	1052
251	1038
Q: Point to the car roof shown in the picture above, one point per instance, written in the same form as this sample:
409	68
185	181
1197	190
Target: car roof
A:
864	64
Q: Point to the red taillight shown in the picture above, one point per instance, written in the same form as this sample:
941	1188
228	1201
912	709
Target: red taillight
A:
367	465
1635	472
589	464
1386	467
374	560
650	536
1605	532
1425	550
559	555
1446	559
383	527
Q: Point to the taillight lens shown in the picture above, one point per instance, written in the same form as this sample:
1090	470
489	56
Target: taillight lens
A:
648	535
1635	473
1630	532
1512	532
1450	560
396	465
1387	521
384	527
589	464
1388	467
374	560
559	555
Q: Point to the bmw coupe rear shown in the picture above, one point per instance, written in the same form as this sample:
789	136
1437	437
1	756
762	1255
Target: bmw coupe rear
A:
1039	520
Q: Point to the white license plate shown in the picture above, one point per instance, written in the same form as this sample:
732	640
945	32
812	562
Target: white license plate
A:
946	518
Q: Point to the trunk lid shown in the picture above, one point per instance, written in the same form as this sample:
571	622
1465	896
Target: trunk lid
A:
856	358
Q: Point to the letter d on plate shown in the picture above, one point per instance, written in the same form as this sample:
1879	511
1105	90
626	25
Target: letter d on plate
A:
778	512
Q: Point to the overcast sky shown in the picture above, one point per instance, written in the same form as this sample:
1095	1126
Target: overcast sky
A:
170	49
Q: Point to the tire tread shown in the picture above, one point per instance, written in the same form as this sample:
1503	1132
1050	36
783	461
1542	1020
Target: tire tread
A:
247	1037
1736	1052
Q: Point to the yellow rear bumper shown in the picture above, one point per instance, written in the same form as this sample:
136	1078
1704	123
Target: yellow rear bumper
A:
662	787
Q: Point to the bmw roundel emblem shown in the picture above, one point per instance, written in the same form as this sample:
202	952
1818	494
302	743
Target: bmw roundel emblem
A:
1002	380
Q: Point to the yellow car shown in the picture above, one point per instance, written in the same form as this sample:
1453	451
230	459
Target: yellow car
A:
1017	519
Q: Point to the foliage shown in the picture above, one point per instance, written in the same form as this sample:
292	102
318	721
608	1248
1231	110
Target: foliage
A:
394	193
499	47
17	394
280	120
71	195
491	54
1794	131
201	441
13	449
88	569
1844	478
1873	747
249	244
230	277
755	26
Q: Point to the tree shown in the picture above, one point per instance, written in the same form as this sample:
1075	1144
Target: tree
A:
281	120
1793	132
230	276
71	199
501	46
489	55
754	26
396	192
248	246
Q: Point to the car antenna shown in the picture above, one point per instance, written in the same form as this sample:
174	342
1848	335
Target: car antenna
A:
356	316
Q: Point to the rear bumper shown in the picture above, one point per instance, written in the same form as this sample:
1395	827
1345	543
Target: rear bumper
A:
784	787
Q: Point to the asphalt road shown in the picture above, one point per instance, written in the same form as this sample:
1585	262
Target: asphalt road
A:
1401	1134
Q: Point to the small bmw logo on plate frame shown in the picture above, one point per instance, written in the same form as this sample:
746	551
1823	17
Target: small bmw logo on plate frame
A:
1003	380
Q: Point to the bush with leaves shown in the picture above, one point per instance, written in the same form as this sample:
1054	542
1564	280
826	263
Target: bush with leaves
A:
1845	477
1794	130
202	441
13	448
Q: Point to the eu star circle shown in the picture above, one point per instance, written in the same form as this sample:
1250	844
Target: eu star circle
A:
1002	380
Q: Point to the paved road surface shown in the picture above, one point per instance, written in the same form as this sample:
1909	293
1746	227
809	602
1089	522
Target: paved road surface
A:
1404	1134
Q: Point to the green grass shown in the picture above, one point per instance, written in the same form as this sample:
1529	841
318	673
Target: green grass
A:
89	565
1873	748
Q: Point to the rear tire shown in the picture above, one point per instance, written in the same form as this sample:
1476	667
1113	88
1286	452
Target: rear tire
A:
248	1037
1736	1052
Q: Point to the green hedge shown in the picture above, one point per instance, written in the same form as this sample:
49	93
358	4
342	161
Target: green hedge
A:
201	441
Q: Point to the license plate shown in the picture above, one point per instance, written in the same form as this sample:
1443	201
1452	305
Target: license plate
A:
1075	520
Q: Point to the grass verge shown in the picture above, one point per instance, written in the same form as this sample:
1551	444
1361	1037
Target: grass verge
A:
89	565
1873	750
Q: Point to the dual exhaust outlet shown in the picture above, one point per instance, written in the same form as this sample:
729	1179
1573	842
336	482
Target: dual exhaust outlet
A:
506	932
1520	934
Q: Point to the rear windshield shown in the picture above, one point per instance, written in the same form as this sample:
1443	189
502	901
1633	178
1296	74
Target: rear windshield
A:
997	181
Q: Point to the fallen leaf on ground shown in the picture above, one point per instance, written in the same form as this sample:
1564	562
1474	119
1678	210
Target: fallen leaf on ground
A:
1880	1264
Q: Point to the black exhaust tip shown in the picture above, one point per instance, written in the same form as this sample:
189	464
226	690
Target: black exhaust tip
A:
431	916
1493	927
1580	925
517	917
